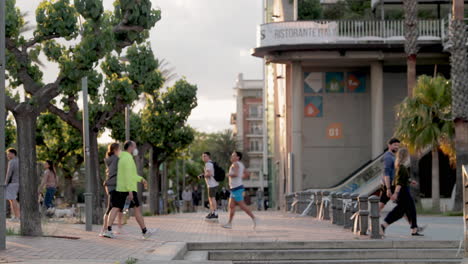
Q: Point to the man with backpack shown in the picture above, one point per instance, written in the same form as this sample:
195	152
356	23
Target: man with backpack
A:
213	175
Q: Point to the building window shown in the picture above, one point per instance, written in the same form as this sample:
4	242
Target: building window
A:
256	145
256	128
255	111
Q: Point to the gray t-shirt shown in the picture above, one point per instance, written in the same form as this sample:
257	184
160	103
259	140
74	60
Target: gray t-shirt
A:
12	175
210	181
111	172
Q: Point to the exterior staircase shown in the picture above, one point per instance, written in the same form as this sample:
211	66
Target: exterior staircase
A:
331	252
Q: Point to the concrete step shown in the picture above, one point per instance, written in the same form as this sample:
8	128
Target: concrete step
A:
361	244
333	254
368	261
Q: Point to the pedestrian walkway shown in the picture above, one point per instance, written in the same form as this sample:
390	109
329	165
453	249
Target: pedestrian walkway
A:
175	230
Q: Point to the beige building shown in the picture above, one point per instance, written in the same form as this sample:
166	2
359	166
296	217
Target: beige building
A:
331	90
248	125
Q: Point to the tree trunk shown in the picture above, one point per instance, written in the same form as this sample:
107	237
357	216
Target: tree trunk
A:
411	75
140	162
153	184
69	192
416	190
435	180
29	180
96	181
461	145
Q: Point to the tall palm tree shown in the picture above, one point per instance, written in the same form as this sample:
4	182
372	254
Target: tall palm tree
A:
424	122
458	61
411	41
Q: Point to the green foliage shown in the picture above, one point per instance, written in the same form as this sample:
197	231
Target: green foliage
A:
348	9
309	9
164	119
13	21
57	18
10	133
60	143
424	120
89	9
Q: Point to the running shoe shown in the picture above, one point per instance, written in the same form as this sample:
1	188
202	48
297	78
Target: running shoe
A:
255	223
422	228
209	216
227	226
108	234
149	233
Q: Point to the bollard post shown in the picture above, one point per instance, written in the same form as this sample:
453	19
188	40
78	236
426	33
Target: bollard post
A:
313	209
318	203
347	204
325	206
375	217
333	206
363	214
304	200
339	209
354	212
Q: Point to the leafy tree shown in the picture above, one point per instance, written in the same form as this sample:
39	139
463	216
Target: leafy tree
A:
164	127
309	9
124	82
59	142
424	121
58	22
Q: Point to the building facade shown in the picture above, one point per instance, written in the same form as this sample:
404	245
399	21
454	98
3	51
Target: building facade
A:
248	123
331	91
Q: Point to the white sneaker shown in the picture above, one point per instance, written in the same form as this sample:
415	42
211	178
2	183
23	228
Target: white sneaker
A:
108	234
101	234
14	220
227	226
255	223
149	233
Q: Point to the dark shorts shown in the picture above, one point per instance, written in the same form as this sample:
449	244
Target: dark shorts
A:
118	200
383	194
109	201
212	192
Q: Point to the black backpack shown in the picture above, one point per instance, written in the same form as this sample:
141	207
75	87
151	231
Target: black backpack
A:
219	173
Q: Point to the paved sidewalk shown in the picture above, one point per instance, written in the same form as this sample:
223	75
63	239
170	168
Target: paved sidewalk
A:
174	230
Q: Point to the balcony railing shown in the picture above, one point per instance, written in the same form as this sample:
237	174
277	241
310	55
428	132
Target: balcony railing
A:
345	31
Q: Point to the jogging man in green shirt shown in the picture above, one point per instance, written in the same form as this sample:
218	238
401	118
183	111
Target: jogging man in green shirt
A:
127	182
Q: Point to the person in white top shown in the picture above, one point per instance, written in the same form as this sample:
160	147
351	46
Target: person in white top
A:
211	184
236	173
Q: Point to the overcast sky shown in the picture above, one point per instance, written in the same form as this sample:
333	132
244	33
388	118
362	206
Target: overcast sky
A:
208	42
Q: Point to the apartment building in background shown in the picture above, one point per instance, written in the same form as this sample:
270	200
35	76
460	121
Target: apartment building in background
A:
248	128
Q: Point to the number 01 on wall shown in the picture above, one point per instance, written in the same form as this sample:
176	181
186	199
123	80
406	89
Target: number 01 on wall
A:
335	131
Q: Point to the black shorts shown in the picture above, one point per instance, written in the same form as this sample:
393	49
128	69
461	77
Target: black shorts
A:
118	200
109	201
383	194
212	192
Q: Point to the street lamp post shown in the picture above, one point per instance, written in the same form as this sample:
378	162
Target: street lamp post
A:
2	127
88	195
127	123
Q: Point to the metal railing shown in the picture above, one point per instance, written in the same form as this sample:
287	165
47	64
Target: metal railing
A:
388	28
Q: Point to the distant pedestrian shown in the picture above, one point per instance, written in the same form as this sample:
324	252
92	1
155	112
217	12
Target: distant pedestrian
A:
211	184
188	200
110	184
236	173
260	197
386	190
12	184
127	182
224	196
402	196
50	183
196	196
